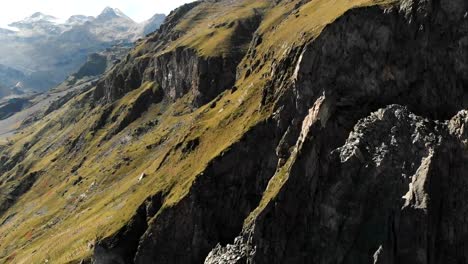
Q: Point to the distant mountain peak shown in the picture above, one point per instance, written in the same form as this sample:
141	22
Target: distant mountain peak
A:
153	23
110	13
38	16
47	50
78	19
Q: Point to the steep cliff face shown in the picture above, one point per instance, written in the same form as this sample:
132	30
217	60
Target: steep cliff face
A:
207	77
367	201
257	132
178	73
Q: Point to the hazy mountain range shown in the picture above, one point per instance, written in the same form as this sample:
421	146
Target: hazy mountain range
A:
42	51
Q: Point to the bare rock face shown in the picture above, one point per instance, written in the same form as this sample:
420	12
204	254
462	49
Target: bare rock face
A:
183	71
391	194
388	195
178	73
239	252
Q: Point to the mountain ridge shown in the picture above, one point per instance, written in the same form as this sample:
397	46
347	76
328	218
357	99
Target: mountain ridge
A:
30	46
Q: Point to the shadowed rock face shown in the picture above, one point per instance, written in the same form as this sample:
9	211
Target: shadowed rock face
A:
178	73
185	72
385	194
390	194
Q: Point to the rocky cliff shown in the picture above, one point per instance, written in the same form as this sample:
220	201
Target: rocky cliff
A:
256	132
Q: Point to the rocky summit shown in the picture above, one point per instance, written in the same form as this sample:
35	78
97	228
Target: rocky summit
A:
254	131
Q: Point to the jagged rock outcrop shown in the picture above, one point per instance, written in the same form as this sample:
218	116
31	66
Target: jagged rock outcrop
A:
178	73
390	194
239	252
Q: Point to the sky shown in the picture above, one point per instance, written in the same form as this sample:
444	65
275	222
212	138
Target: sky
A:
138	10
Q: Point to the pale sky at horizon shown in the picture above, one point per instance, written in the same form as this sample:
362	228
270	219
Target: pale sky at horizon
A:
138	10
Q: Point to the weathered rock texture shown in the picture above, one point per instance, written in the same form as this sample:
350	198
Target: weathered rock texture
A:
386	196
